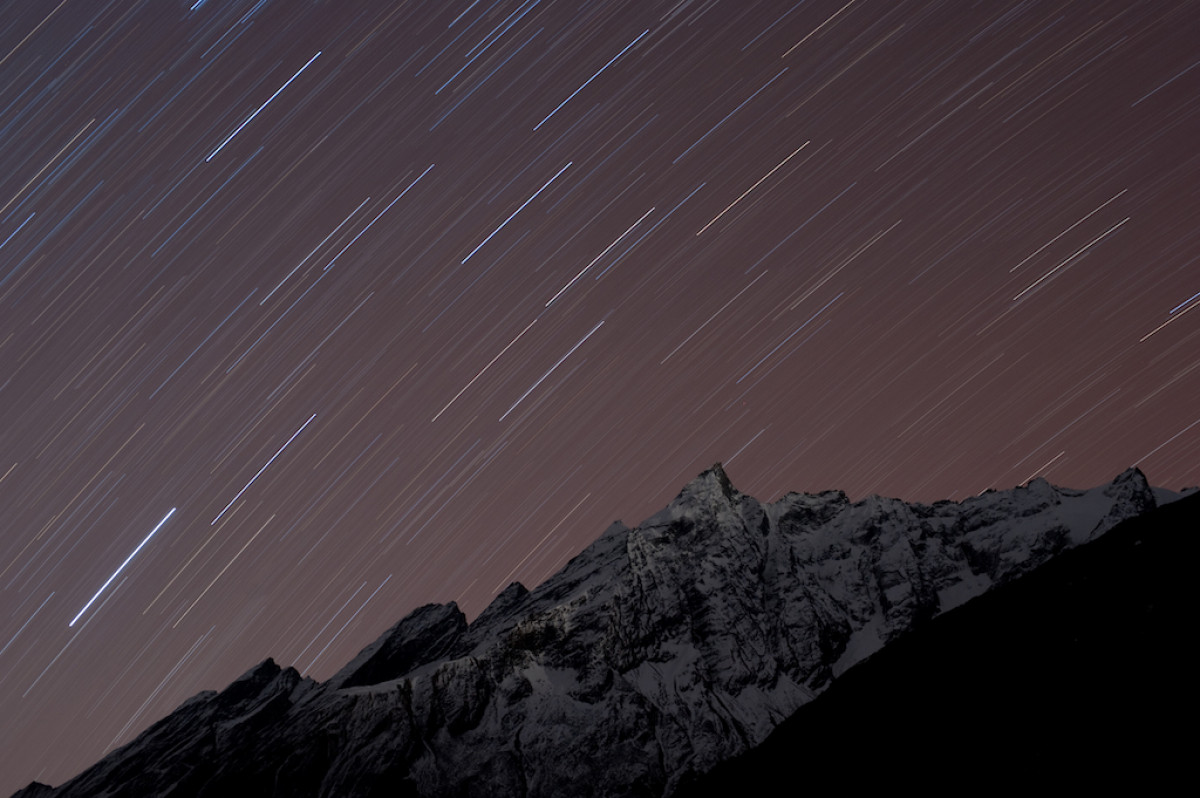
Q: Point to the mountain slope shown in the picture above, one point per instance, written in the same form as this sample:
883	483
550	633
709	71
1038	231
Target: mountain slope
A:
657	652
1078	673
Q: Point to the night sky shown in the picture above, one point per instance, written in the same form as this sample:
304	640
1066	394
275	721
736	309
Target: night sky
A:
379	304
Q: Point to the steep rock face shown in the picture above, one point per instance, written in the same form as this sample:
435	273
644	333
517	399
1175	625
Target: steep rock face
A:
1073	676
657	652
420	637
182	752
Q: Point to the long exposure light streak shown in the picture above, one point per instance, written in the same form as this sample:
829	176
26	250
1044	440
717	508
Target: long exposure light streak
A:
121	567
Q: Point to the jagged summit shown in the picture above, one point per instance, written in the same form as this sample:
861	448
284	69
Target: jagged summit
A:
424	635
666	648
709	500
1133	473
711	480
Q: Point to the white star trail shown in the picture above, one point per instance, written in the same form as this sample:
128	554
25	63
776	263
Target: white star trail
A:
121	567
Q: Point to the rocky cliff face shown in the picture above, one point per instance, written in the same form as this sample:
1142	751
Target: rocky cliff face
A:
657	652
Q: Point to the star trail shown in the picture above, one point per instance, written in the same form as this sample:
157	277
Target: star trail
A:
526	267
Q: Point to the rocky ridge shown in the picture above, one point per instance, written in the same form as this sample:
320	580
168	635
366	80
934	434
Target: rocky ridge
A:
657	652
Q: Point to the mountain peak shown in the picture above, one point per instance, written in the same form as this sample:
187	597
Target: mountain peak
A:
665	648
1132	476
425	634
703	503
1131	495
710	485
712	481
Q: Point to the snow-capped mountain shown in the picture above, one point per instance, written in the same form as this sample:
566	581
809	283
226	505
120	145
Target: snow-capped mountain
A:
654	654
1077	678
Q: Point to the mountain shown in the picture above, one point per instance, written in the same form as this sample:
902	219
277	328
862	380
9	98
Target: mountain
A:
1079	674
655	654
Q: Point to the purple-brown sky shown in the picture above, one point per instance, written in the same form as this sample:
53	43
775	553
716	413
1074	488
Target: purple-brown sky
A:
391	303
